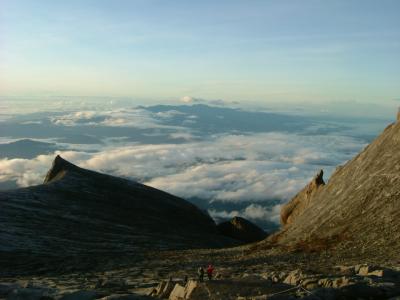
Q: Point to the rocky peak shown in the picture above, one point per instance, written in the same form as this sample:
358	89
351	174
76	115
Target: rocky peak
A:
302	200
242	230
318	178
58	169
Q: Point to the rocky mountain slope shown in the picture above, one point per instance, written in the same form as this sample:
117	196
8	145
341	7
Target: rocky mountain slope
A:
77	212
357	210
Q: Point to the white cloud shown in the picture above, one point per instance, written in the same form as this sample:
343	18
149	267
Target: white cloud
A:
227	168
189	99
137	118
231	168
253	212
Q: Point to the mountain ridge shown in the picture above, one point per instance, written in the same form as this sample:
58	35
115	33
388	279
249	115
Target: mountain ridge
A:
78	212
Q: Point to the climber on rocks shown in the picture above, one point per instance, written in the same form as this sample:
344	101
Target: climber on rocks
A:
210	271
200	273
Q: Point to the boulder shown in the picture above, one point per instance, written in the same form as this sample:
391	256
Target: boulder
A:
310	283
178	293
294	277
167	289
367	270
340	282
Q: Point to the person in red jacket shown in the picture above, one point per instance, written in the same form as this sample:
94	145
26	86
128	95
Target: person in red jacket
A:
210	271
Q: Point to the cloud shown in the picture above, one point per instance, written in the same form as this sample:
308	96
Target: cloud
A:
192	100
137	118
214	102
253	212
229	168
188	99
27	172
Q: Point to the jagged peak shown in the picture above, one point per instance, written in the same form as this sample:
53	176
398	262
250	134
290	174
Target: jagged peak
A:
59	166
319	178
302	200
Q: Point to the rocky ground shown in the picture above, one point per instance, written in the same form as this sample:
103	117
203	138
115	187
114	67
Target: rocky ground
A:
245	272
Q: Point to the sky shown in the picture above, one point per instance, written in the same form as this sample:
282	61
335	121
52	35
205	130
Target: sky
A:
310	51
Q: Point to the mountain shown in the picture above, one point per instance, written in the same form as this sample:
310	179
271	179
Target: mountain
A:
358	210
25	148
241	229
77	212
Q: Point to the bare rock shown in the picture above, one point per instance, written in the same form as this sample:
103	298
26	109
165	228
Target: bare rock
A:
356	212
368	270
178	293
302	200
294	277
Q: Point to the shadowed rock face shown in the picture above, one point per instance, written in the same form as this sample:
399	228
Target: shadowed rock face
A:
77	211
242	230
359	208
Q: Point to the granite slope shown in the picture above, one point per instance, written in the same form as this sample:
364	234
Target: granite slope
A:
357	210
78	212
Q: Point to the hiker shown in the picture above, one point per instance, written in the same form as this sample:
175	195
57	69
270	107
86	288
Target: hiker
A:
210	270
200	273
185	280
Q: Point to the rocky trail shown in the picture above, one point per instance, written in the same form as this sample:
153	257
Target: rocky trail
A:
240	274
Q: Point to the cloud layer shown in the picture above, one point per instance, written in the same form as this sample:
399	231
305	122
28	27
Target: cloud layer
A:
248	171
227	168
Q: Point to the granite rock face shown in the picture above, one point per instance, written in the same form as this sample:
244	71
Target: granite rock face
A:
302	200
359	208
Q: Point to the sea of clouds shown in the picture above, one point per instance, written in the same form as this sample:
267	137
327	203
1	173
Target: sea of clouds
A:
262	169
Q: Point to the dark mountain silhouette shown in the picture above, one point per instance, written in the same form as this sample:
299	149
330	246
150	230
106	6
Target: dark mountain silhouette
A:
81	212
241	229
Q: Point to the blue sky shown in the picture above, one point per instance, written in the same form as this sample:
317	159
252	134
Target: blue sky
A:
265	51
